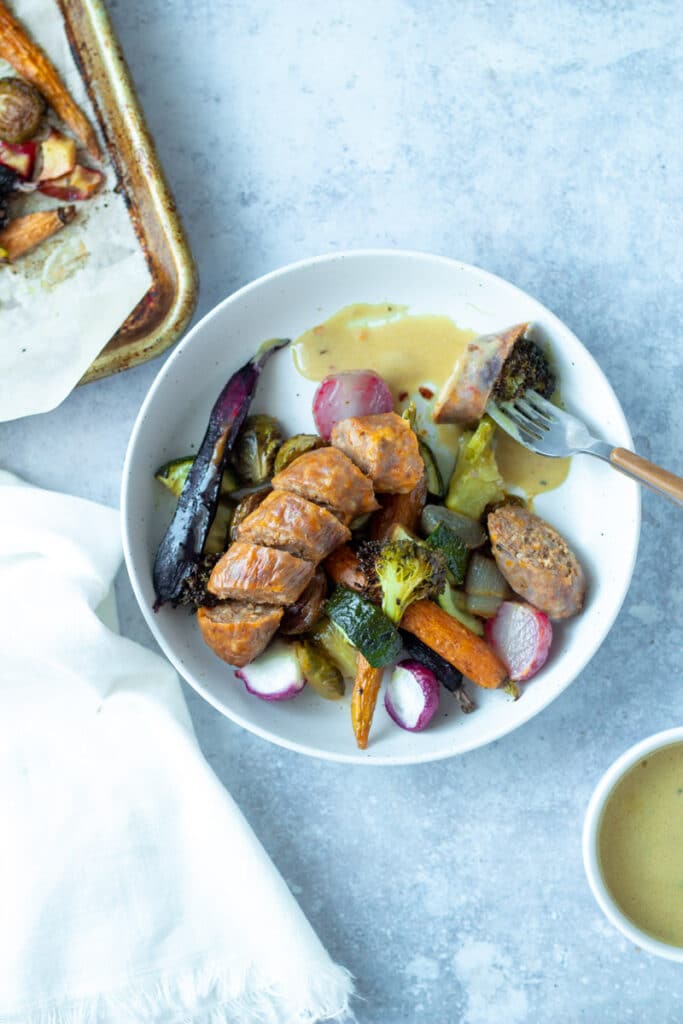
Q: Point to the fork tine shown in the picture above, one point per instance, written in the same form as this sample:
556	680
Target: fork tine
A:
504	422
525	430
542	405
533	414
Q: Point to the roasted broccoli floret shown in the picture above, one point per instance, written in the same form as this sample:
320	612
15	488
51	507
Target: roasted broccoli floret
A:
525	368
400	572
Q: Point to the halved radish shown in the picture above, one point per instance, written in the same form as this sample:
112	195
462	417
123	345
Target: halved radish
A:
275	674
355	393
412	695
521	636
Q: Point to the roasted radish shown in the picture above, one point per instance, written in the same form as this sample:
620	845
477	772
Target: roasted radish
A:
274	675
356	393
412	696
521	636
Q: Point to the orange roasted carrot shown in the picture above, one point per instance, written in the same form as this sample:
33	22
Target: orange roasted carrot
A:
342	566
32	64
25	233
402	509
455	643
424	619
363	699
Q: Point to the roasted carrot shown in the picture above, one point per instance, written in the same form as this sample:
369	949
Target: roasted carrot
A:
363	699
25	233
433	626
401	509
29	61
342	566
454	642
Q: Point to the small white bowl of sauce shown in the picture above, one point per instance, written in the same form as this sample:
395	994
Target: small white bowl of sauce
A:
633	844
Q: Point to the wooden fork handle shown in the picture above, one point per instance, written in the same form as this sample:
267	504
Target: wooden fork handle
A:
654	477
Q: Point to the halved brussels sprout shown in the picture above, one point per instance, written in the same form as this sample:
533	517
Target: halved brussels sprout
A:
173	475
295	446
319	670
256	447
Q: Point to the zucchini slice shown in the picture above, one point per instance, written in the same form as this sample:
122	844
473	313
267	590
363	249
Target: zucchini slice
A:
365	626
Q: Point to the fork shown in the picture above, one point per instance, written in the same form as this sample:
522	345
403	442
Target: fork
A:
547	430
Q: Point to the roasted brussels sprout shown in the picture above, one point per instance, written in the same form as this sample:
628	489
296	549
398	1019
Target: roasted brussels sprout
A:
173	475
258	442
245	507
295	446
319	670
21	110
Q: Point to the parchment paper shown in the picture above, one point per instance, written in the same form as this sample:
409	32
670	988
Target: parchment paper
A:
60	305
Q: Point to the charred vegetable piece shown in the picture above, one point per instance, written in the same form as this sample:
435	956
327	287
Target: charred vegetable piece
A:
173	475
302	616
246	506
218	537
448	676
9	180
404	570
256	447
19	157
468	530
364	626
319	670
183	543
526	367
195	593
295	446
454	550
334	642
21	110
476	481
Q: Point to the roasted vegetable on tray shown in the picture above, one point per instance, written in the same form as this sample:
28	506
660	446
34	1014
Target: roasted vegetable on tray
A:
42	159
346	511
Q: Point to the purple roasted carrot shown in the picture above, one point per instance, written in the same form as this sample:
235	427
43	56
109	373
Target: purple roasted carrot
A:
180	551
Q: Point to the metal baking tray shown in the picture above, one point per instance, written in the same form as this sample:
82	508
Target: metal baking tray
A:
163	313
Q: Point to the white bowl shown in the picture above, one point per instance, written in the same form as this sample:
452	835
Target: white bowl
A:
597	509
591	832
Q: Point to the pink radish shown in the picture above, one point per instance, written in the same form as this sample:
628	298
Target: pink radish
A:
521	636
275	674
356	393
412	695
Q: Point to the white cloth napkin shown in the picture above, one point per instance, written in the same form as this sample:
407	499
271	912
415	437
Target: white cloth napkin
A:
131	887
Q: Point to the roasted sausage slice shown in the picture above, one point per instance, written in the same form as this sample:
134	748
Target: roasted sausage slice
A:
536	561
464	396
305	612
249	572
384	447
237	631
327	477
291	523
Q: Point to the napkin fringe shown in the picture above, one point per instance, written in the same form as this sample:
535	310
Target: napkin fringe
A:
211	995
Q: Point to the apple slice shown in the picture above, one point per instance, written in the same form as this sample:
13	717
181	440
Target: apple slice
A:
19	157
58	153
81	183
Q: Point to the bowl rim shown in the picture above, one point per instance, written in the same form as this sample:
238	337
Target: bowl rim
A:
355	756
591	829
